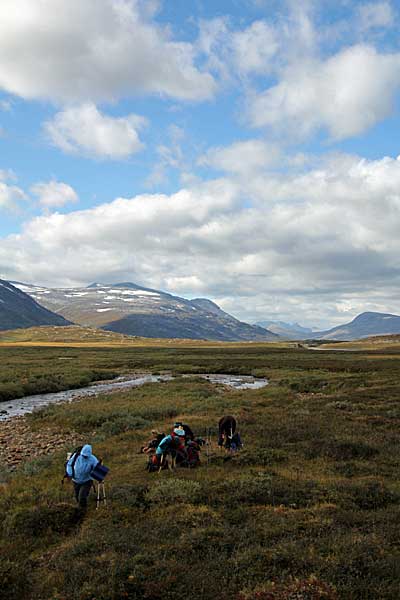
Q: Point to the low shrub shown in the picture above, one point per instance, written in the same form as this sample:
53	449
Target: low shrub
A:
9	391
157	413
36	465
261	457
296	589
58	518
5	474
122	424
14	577
351	469
175	490
269	489
134	496
340	449
308	384
365	494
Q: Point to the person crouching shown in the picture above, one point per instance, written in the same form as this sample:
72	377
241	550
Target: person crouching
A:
79	469
170	445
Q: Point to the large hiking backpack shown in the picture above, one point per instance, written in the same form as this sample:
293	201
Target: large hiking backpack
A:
193	454
74	455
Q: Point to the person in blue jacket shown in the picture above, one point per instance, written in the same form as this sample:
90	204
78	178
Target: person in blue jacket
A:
79	469
170	445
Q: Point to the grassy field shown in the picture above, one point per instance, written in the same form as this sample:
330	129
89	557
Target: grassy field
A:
309	509
50	359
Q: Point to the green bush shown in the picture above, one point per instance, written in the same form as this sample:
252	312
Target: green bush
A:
5	474
340	449
269	490
15	577
8	391
36	465
175	490
296	589
122	424
365	494
131	495
309	384
58	518
261	457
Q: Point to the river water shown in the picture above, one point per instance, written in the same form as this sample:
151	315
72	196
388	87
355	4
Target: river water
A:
28	404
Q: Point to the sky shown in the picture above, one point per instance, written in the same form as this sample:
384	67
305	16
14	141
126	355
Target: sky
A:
246	151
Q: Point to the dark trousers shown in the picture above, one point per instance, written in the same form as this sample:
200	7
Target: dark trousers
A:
82	492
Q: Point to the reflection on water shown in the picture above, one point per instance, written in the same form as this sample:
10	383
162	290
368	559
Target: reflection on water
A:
22	406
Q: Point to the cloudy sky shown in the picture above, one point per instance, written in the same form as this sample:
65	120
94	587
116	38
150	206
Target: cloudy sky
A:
240	150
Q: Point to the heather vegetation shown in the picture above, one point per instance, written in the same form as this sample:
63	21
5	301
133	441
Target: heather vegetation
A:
309	509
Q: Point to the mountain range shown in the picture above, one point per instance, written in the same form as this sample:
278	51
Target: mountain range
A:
19	310
132	309
364	325
289	331
135	310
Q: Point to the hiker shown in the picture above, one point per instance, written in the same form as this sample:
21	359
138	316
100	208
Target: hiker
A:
189	435
152	444
226	430
171	444
79	468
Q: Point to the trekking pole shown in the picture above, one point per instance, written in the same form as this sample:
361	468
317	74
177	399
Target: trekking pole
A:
101	494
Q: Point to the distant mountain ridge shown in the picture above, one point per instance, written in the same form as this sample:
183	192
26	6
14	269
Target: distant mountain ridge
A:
289	331
19	310
132	309
364	325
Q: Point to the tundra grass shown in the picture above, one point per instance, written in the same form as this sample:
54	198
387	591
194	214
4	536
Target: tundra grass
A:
309	509
33	370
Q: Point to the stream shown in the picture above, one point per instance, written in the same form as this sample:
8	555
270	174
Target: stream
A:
27	404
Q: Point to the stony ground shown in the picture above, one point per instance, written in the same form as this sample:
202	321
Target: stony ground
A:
20	442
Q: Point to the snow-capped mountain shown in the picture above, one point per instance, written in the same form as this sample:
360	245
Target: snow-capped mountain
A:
135	310
18	310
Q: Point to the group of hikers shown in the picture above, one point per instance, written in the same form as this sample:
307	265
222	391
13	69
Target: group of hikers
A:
182	448
165	451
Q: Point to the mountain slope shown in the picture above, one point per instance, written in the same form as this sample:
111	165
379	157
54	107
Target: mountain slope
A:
364	325
19	310
290	331
134	310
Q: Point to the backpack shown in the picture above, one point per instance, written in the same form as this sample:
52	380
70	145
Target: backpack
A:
193	455
153	464
74	455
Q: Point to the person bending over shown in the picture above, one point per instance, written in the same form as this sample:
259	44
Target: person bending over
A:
226	430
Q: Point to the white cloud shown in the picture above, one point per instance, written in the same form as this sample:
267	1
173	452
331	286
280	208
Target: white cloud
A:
346	94
308	244
7	174
74	51
255	47
10	195
54	194
242	157
233	53
5	105
170	156
85	130
375	14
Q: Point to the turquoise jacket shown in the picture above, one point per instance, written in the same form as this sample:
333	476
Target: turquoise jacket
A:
164	445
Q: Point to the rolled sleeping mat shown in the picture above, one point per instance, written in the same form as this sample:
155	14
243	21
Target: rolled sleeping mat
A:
99	472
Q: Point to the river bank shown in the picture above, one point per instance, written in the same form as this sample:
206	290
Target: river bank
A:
19	442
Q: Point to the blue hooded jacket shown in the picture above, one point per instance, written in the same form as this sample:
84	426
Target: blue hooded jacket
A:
84	465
